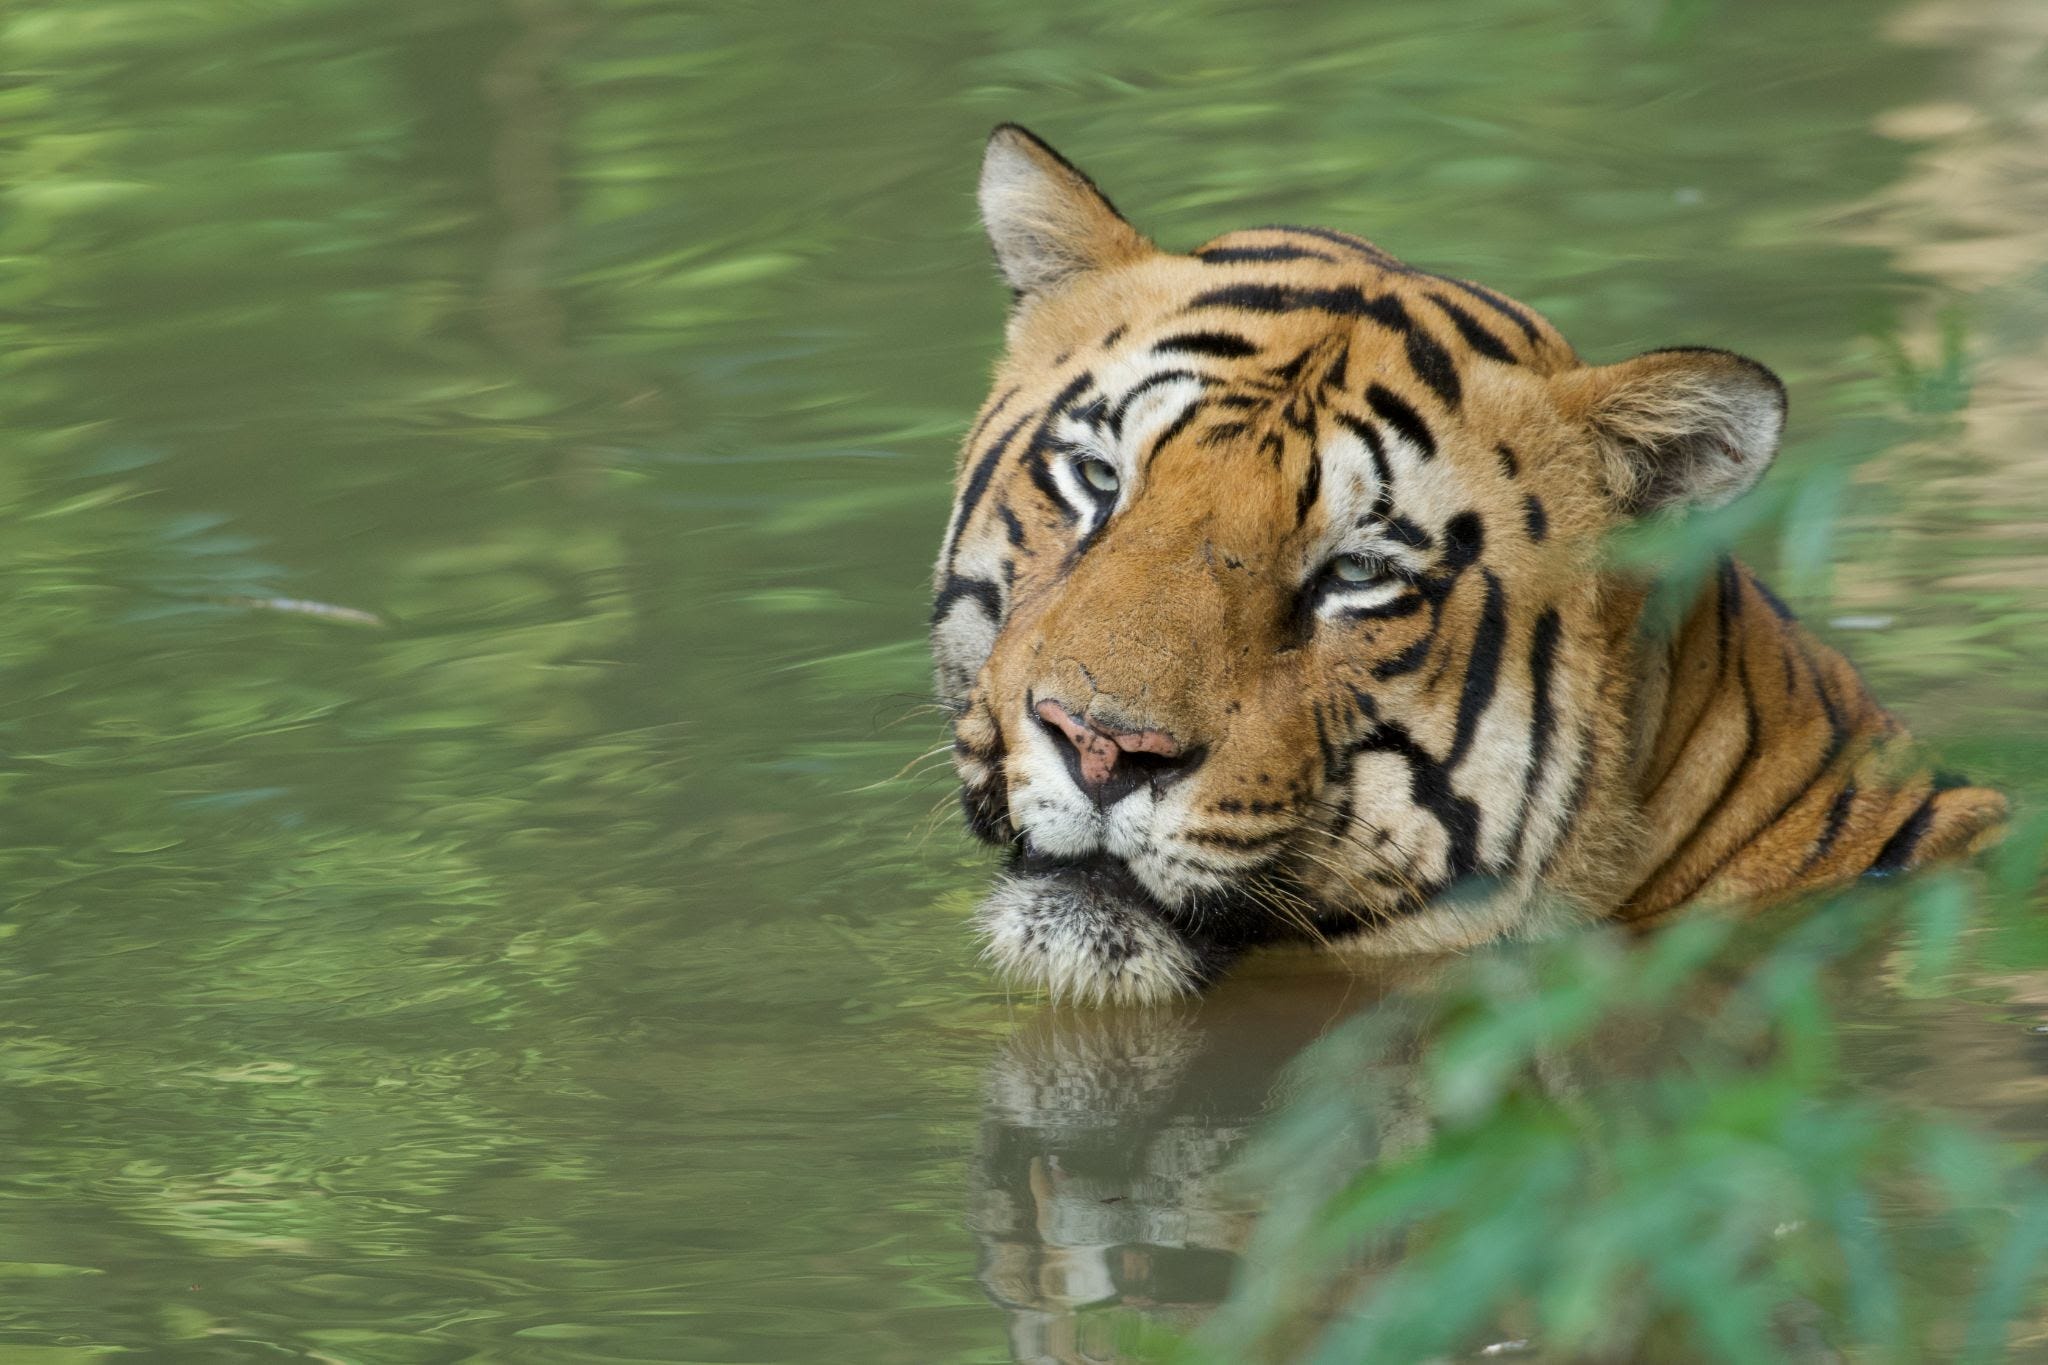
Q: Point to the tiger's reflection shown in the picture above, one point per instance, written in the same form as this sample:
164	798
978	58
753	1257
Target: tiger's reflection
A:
1101	1178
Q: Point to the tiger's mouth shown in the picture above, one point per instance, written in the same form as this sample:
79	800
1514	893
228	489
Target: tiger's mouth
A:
1086	929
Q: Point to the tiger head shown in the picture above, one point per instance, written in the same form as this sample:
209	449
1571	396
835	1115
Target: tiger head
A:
1272	605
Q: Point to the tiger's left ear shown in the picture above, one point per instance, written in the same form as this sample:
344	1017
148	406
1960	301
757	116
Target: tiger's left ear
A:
1689	427
1046	220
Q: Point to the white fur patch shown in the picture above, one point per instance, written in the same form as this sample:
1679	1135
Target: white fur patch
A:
961	643
1068	936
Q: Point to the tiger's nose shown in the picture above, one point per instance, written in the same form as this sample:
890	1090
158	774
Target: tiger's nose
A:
1107	763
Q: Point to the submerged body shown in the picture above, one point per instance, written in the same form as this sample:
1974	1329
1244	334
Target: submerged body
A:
1273	608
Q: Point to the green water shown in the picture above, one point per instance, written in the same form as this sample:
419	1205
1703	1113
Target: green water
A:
470	477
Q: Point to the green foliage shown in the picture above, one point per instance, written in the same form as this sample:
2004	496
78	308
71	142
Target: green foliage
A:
1712	1189
1940	386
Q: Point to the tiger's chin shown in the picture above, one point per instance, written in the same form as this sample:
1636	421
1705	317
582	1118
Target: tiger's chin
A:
1088	932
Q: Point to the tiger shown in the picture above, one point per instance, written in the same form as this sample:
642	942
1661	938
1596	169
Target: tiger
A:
1278	606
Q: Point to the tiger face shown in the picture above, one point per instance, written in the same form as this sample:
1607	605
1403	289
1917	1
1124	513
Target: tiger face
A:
1271	607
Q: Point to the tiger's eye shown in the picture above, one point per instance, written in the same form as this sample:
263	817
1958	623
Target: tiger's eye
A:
1354	568
1101	475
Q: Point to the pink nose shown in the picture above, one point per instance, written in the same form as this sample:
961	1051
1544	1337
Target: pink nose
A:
1109	764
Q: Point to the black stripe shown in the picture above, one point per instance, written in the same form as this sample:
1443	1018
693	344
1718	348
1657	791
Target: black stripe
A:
1218	433
1509	465
1373	445
1477	337
1407	661
1498	305
1399	528
1231	255
1013	529
1388	312
1310	488
1346	300
1464	538
976	751
1041	444
1173	429
1429	786
1728	600
979	590
1343	239
1405	605
1482	670
1244	843
1542	720
1720	671
1333	761
1340	812
1362	705
1433	366
1533	517
1228	345
1838	733
1288	370
1040	469
1771	599
1300	414
1115	335
1230	805
1831	828
1897	853
1396	413
1729	609
1838	740
977	482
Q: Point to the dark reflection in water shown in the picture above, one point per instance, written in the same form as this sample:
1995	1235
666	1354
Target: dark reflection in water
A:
1102	1178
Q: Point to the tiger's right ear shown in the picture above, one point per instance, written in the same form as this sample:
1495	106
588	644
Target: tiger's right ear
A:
1046	220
